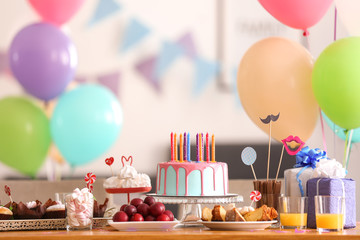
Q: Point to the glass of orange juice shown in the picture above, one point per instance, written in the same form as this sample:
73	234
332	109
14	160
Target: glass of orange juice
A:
293	212
330	213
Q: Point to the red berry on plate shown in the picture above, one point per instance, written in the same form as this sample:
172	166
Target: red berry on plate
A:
170	214
136	202
143	209
137	217
130	210
163	217
150	218
120	217
122	208
149	200
157	209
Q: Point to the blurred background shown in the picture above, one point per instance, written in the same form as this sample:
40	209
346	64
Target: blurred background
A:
172	67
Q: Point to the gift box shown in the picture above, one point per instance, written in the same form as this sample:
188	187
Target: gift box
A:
292	187
332	187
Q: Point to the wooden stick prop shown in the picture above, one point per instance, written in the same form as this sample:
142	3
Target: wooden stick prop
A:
248	156
281	157
270	118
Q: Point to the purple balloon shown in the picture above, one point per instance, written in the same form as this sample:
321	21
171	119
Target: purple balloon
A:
43	60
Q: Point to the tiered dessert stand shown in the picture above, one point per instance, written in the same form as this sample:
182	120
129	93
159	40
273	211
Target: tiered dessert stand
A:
128	191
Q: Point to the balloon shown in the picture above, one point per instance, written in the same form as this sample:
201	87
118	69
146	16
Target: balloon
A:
341	132
335	82
25	135
56	11
274	77
299	14
43	60
349	14
85	123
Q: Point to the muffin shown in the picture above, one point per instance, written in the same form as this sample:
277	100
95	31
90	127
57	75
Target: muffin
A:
5	213
54	209
29	210
99	210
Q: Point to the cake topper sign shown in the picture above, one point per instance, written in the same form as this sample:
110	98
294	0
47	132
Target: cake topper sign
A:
270	118
109	161
129	159
248	156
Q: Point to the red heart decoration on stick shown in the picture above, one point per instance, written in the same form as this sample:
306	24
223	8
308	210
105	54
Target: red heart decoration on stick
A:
129	159
109	161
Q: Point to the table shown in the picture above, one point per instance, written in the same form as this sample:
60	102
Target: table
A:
198	233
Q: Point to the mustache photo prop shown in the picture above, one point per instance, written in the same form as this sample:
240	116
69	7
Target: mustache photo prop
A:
270	118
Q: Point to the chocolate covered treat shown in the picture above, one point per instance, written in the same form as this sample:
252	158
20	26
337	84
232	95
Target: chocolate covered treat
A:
99	210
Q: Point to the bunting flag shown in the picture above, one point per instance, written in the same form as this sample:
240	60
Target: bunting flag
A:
205	71
104	9
187	43
111	81
168	54
134	33
4	63
146	68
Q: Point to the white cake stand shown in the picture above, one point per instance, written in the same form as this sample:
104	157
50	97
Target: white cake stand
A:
190	206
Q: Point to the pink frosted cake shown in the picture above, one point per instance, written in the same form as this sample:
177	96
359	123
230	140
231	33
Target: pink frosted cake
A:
184	177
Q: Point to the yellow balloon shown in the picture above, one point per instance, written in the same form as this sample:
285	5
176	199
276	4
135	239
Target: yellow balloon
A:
274	77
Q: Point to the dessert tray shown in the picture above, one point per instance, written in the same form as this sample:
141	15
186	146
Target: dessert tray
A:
44	224
144	226
238	226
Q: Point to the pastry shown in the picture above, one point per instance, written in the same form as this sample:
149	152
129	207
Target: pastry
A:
206	214
244	210
54	209
233	215
5	213
218	213
263	213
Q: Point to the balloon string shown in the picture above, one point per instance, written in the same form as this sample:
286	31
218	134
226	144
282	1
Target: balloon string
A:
346	142
323	131
335	23
348	148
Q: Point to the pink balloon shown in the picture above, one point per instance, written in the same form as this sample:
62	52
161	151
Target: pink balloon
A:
299	14
56	11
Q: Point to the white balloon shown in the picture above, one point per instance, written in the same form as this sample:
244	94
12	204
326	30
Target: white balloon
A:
348	12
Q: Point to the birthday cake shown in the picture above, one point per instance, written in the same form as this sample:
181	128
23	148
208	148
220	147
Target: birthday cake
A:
184	177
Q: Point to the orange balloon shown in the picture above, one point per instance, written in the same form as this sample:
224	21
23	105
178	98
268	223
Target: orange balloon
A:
274	77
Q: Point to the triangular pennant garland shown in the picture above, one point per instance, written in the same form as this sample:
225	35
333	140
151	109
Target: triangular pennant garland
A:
205	71
134	33
112	81
104	9
168	54
187	43
146	68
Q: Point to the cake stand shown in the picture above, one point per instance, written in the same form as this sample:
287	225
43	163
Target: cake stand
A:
190	206
128	191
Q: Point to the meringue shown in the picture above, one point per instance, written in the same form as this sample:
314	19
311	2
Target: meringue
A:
128	178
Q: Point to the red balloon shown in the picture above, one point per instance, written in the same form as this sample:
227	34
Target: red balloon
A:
56	11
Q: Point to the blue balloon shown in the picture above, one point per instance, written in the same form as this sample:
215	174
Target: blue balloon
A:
341	132
85	123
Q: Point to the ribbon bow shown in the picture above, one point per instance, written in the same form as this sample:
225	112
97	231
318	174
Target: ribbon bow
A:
307	158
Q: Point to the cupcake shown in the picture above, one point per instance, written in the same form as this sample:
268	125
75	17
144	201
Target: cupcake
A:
29	210
54	209
5	213
99	210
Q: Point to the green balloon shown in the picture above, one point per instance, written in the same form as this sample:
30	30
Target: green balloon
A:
25	135
336	82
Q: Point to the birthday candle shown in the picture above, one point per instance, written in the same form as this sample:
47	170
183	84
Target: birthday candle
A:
197	147
207	148
213	148
200	147
185	147
188	147
172	146
175	149
181	148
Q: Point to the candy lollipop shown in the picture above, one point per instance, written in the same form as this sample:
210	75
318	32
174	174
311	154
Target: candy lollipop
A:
109	161
8	192
255	196
90	178
248	156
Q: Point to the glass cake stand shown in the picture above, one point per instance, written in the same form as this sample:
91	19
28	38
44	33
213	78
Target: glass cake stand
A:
190	206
